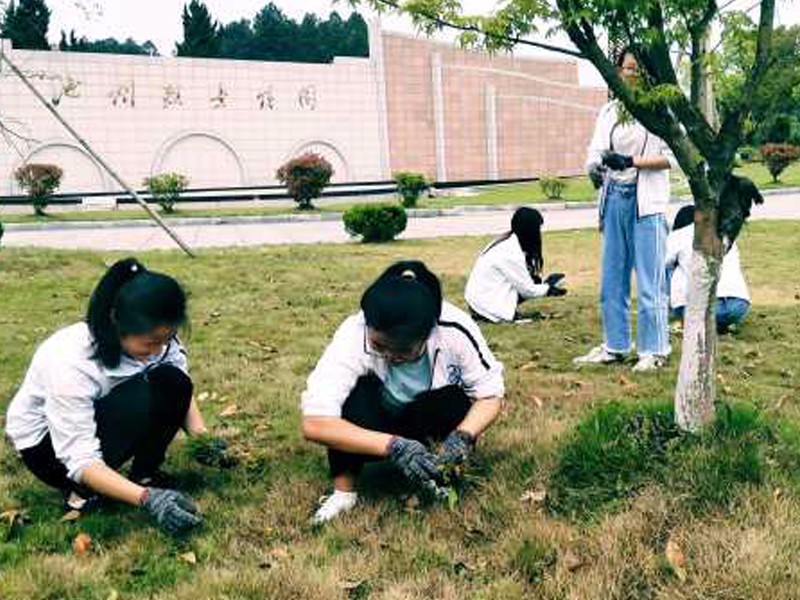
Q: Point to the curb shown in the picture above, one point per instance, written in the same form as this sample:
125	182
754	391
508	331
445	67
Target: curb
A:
416	213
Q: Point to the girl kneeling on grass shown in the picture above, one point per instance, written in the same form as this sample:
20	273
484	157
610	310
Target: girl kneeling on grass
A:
509	271
113	388
407	368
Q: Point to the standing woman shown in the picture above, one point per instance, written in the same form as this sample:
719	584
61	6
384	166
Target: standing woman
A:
509	271
113	388
407	368
633	166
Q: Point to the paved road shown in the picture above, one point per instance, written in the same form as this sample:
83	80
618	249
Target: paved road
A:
785	206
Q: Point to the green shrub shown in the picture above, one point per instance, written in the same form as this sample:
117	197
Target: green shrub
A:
166	189
552	187
532	559
778	157
618	449
410	186
40	181
305	177
375	222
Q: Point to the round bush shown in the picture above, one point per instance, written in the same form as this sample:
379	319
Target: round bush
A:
375	222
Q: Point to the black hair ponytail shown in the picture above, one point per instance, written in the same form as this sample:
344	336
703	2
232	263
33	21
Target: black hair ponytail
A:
526	224
684	218
404	302
129	299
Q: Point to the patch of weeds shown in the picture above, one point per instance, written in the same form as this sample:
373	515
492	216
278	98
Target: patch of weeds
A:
532	559
618	449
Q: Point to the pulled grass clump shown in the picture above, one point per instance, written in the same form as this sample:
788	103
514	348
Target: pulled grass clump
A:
619	449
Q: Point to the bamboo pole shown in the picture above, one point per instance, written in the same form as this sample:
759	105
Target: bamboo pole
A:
95	155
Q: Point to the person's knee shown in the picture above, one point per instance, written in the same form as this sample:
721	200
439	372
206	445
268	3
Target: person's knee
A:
168	381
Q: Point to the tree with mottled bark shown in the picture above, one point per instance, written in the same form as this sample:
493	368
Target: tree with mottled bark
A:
684	118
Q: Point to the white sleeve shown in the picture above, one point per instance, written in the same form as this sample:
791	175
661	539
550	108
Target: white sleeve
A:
481	372
599	142
666	152
176	356
336	373
520	278
673	250
69	410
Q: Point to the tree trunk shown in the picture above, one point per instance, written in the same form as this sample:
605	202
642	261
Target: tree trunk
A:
695	391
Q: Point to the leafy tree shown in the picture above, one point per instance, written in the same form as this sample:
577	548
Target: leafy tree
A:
355	41
201	36
26	24
166	189
704	148
237	40
105	46
305	177
40	181
275	34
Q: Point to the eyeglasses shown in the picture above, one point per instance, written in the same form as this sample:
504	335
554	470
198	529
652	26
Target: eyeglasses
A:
395	355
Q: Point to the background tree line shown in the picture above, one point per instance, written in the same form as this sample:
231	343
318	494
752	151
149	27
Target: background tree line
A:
270	35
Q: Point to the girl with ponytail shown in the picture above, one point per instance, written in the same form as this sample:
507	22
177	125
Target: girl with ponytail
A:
407	368
112	389
509	271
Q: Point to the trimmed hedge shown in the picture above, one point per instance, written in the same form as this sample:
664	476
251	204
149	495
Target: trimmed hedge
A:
375	222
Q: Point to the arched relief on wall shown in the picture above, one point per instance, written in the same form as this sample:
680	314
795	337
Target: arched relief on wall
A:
81	172
205	158
330	152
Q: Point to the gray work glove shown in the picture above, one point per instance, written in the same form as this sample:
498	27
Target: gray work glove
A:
596	175
414	460
455	450
553	281
174	512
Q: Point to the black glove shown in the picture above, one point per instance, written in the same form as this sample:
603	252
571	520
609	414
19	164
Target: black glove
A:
414	460
616	161
596	175
211	451
552	281
174	512
455	450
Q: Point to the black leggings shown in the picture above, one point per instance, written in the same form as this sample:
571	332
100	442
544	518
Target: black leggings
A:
138	419
432	415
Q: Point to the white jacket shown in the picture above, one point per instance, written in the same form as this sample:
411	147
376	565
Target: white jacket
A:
679	257
60	389
499	279
456	348
653	189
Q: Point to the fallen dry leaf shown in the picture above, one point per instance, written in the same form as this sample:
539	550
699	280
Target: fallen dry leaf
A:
71	516
14	516
229	411
534	496
82	544
779	404
412	503
189	558
529	366
573	561
676	559
351	585
113	595
537	401
203	396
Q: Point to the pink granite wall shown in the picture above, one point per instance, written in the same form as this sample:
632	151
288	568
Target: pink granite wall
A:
534	136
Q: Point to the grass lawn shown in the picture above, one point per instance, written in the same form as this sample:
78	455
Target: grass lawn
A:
260	319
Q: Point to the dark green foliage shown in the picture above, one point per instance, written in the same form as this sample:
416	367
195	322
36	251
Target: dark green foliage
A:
26	25
779	156
200	33
375	222
39	181
410	186
72	43
552	187
619	449
532	559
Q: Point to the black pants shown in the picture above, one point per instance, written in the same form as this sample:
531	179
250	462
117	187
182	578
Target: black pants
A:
138	419
432	415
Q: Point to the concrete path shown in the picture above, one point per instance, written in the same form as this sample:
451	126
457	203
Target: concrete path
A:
468	222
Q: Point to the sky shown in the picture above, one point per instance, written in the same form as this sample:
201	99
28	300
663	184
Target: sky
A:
160	20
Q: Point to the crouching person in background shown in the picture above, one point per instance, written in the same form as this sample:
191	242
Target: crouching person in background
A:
406	369
113	388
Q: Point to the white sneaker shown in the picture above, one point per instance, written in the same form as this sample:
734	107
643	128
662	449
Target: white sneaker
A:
332	506
649	362
598	355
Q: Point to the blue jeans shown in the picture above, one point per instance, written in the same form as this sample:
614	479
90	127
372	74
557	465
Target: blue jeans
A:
629	243
730	311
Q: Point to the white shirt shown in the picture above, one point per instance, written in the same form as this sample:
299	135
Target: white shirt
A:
653	189
499	279
59	391
456	348
731	284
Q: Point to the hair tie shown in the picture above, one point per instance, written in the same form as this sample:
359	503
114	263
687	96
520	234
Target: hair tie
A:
408	274
134	268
